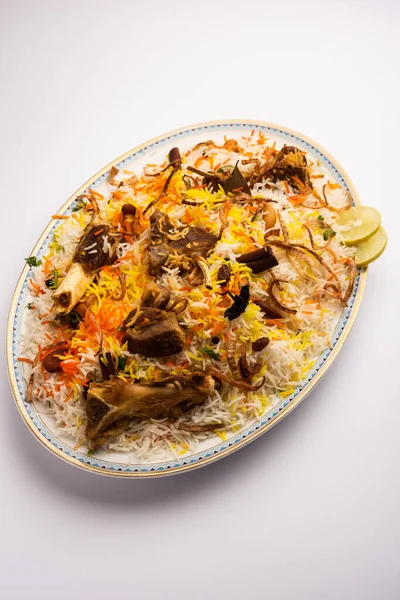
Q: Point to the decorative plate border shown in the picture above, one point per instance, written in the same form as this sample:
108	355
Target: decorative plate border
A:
51	442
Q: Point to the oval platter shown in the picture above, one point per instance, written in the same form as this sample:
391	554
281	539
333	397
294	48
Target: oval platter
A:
114	464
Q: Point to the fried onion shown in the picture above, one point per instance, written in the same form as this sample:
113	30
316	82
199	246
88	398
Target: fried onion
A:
335	208
241	385
310	251
122	281
312	241
179	305
275	300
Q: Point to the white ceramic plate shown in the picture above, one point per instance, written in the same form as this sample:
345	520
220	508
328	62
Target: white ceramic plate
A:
212	449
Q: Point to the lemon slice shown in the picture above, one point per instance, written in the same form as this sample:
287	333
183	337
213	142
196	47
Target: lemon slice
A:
371	249
359	223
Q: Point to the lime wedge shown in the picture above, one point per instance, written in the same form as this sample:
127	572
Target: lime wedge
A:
359	223
371	249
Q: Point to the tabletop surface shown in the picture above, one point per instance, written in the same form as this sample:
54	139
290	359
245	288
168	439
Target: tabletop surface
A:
309	511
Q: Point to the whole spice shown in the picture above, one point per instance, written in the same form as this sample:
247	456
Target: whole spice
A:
128	209
239	305
259	260
211	180
130	222
268	310
236	183
175	158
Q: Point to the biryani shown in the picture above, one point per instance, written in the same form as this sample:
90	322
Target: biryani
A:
183	302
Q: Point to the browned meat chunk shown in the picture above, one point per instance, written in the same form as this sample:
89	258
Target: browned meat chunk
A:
197	242
111	401
155	333
158	257
165	241
89	252
155	295
291	165
89	257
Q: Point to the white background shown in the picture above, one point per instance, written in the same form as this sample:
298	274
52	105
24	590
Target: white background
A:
312	509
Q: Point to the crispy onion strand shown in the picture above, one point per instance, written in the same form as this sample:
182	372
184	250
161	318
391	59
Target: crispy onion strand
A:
275	300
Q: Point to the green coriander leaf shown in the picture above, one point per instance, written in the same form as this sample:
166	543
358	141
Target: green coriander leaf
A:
78	206
211	353
33	261
328	233
121	363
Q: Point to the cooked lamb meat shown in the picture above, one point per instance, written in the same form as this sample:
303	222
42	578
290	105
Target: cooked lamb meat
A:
155	333
113	400
90	255
165	241
197	242
291	163
156	296
115	429
89	252
158	256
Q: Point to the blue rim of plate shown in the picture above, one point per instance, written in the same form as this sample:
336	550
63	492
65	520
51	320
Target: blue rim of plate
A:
270	418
